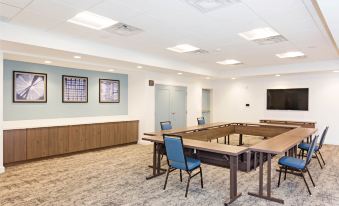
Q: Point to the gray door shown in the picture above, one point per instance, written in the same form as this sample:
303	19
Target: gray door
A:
206	104
170	105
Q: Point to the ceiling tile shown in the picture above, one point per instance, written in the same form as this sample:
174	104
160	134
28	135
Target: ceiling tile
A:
17	3
52	9
7	12
80	4
30	19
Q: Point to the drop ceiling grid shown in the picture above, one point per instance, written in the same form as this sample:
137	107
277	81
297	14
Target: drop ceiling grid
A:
167	23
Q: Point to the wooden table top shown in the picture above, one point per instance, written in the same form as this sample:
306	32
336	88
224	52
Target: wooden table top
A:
187	129
283	142
288	121
267	124
205	146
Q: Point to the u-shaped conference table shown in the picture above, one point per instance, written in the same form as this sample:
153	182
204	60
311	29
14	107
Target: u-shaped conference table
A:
280	137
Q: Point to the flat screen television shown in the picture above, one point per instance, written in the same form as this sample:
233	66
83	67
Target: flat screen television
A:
287	99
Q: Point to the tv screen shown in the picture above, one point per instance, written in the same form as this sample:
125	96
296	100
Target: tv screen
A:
287	99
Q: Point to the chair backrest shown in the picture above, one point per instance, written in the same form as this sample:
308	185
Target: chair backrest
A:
174	149
201	120
323	135
311	149
166	125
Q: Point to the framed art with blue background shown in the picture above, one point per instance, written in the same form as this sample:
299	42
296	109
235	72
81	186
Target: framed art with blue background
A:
29	87
74	89
109	91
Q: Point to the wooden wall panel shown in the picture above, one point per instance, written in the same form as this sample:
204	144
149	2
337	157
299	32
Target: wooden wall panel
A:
37	143
132	131
58	138
26	144
120	133
93	136
14	145
77	138
107	137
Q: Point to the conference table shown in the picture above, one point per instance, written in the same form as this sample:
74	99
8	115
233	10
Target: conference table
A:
284	143
278	139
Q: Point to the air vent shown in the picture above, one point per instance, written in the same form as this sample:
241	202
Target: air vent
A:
200	51
270	40
123	29
205	6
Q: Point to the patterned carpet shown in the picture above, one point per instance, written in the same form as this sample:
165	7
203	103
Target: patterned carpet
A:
117	177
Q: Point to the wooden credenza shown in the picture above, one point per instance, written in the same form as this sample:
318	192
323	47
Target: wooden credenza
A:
33	143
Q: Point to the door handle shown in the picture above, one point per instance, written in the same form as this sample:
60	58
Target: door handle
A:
173	113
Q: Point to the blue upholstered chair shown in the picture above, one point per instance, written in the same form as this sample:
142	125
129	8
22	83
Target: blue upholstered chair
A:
176	159
201	120
298	165
304	147
166	125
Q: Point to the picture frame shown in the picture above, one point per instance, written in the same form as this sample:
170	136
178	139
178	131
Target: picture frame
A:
74	89
109	91
29	87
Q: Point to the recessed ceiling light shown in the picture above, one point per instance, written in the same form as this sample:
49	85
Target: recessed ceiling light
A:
336	71
229	62
48	62
179	73
182	48
92	20
111	70
291	54
233	78
277	75
77	57
259	33
139	67
207	77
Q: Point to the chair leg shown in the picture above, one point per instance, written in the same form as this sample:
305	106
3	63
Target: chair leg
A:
309	174
228	139
217	140
285	173
188	183
168	171
180	176
202	183
225	140
318	160
279	176
322	157
299	155
302	155
309	191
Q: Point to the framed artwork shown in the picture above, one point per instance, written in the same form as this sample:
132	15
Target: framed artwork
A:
29	87
74	89
109	91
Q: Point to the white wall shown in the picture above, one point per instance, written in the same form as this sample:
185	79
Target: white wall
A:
230	97
2	169
142	97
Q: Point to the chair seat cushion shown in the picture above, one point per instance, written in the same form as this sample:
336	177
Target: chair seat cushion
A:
305	146
292	162
191	164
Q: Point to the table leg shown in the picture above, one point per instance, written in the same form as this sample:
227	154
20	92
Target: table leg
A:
268	196
233	180
240	140
157	170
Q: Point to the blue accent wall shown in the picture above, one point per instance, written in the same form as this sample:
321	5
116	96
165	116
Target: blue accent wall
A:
54	108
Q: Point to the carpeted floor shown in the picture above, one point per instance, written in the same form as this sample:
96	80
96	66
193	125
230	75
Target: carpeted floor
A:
117	177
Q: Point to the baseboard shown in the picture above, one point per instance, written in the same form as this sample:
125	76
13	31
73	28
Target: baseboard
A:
2	169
